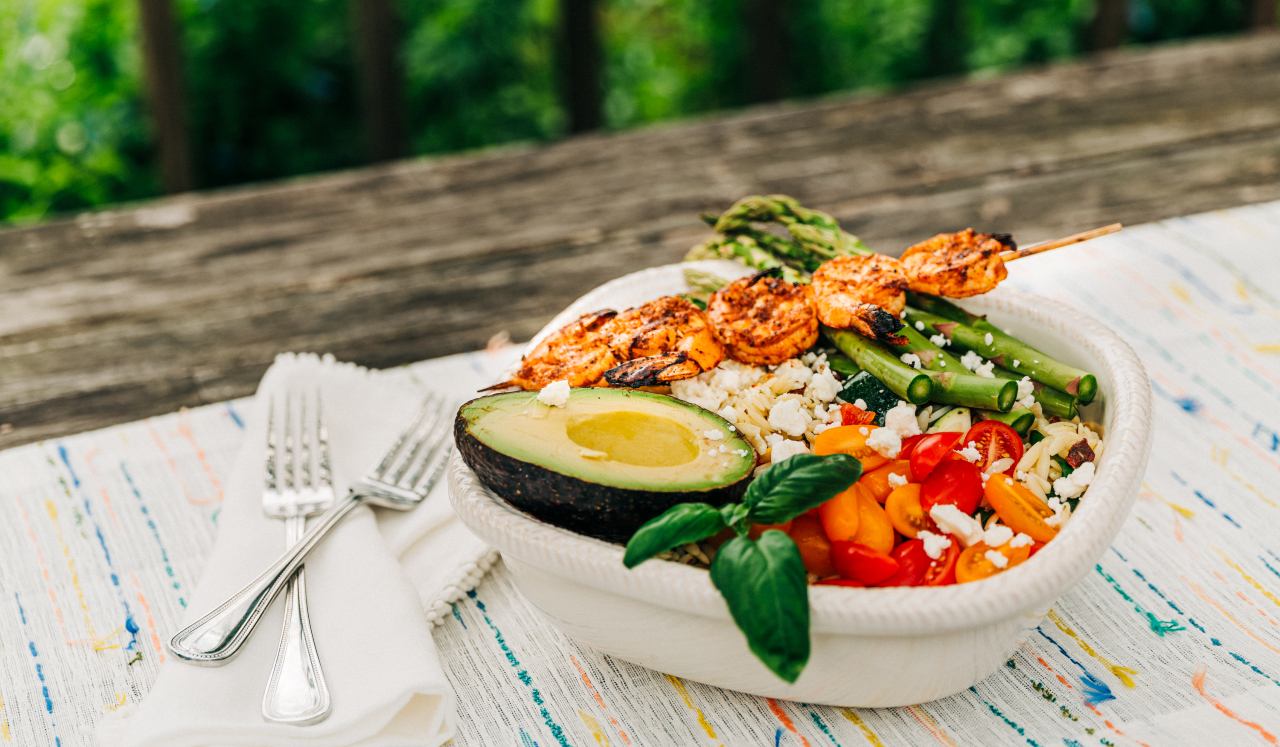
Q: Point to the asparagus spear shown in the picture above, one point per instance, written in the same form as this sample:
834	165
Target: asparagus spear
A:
746	250
1019	418
903	380
1012	354
953	384
1052	401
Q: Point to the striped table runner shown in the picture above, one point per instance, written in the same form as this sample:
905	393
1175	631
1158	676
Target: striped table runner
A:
1174	639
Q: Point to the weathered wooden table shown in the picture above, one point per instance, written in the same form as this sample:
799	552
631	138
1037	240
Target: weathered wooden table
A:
117	315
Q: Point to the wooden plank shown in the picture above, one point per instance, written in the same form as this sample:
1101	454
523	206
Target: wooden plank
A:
121	314
166	97
378	72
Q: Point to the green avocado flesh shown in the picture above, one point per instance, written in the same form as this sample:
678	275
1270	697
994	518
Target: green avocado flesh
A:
607	461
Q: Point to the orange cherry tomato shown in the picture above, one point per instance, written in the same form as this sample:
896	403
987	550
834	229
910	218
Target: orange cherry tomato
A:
877	481
862	564
849	439
916	568
1019	508
973	564
815	548
905	513
954	481
874	529
840	515
758	529
995	441
928	451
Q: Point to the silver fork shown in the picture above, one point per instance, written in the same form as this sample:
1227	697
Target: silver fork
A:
400	481
296	690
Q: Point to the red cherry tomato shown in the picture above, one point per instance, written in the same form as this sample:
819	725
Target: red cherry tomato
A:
995	441
955	481
928	451
860	563
839	582
909	444
916	568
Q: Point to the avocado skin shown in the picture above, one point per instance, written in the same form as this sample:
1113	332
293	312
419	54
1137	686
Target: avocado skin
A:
600	511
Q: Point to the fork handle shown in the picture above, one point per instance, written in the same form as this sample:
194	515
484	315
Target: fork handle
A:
217	636
296	690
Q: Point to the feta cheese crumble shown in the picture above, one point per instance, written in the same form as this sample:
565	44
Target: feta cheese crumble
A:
896	481
911	359
823	387
934	544
970	360
783	449
1025	387
714	434
998	560
788	416
555	394
902	420
885	441
988	339
1021	540
1074	484
955	522
997	535
920	326
860	403
939	340
985	369
970	453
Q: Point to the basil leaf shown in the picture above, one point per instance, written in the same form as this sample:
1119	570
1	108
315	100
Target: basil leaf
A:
735	515
765	586
789	488
1067	469
679	525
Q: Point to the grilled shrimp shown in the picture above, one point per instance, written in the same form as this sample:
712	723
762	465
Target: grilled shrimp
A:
957	265
863	293
763	320
661	341
578	352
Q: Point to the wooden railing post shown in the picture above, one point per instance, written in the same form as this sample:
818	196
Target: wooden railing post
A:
379	78
166	98
1262	14
1110	24
766	50
580	64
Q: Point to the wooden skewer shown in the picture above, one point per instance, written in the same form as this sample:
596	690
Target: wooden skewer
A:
1059	243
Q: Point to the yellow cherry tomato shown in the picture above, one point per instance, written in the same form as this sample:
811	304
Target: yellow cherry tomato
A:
1019	508
840	515
874	529
973	564
905	513
815	548
851	440
877	480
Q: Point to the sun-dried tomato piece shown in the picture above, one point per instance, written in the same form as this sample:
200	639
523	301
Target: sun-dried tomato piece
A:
854	415
1079	454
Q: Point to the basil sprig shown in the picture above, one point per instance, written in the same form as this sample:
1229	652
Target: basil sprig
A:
763	581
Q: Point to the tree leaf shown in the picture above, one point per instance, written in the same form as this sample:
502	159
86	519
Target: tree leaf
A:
789	488
679	525
765	586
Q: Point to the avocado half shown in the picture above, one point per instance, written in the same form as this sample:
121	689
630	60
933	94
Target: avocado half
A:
606	462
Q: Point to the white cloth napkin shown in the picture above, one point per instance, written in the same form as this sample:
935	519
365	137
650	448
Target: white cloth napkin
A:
376	585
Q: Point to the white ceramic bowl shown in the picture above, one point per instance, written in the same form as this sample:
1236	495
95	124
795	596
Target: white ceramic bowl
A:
871	647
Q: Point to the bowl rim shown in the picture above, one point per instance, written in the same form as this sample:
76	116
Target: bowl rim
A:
1028	589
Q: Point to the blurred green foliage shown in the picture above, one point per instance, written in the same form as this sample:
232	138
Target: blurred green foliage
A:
271	83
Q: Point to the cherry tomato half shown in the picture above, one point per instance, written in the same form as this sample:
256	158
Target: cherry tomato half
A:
904	511
916	568
955	481
815	548
927	452
874	529
973	564
995	441
851	440
1019	508
840	515
877	481
909	445
862	564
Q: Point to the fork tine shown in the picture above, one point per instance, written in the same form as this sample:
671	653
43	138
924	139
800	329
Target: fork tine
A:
304	455
288	443
381	470
322	440
434	457
427	432
271	443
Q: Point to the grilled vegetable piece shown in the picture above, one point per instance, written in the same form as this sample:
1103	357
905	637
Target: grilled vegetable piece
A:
1020	419
746	250
953	384
1053	403
763	320
652	370
606	462
903	380
1007	352
959	264
874	394
578	352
